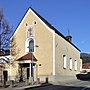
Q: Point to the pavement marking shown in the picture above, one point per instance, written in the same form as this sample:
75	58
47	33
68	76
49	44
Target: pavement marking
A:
83	88
72	84
77	83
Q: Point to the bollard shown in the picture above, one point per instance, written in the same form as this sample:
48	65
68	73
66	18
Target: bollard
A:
46	79
38	80
27	81
30	80
12	82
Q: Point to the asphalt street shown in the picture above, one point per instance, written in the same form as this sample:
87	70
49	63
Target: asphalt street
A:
77	85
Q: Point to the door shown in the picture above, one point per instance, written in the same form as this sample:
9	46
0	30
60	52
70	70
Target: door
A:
28	73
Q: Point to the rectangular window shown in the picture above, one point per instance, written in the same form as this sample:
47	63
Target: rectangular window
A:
64	61
75	65
70	63
80	64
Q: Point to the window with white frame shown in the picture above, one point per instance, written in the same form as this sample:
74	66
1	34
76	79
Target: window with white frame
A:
64	61
75	65
70	63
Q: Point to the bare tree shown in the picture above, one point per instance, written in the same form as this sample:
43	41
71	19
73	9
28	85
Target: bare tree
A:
14	50
5	32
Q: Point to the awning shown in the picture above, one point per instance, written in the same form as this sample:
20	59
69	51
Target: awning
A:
28	56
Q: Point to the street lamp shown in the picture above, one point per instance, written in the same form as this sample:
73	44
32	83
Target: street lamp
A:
31	50
32	73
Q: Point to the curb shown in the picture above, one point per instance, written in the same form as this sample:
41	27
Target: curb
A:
32	86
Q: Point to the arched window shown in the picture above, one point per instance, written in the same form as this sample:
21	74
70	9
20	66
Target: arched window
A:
64	61
31	46
70	63
75	65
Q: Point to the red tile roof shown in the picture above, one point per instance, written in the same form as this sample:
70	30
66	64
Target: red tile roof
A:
86	66
28	56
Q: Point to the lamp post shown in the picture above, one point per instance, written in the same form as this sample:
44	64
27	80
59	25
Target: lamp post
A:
32	64
32	73
31	50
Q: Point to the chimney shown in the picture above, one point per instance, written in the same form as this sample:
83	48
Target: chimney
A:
69	37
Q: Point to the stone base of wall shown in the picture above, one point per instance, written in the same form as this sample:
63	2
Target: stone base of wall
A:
55	78
46	78
49	79
64	78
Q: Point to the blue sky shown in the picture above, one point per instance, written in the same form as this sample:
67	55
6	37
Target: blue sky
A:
62	14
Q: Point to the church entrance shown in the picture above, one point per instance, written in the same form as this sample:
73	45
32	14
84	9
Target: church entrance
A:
27	67
27	70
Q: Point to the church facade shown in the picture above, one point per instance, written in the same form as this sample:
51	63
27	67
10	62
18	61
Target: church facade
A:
38	50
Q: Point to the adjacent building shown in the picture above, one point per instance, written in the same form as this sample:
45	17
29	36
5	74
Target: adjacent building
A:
85	61
39	50
4	63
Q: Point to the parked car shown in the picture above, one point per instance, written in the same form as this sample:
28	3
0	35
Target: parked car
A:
83	76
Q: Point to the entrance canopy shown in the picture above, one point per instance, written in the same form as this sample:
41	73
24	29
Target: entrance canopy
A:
28	56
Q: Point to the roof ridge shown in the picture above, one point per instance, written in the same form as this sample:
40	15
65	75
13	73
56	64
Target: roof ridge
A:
47	23
52	27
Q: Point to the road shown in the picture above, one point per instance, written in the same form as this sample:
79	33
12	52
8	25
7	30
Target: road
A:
77	85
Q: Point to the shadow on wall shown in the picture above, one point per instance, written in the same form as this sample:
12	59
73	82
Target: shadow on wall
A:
84	76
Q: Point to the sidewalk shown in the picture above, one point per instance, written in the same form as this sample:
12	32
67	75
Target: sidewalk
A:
67	82
32	86
47	84
22	86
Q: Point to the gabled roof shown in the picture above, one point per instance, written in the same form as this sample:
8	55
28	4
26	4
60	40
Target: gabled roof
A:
53	28
49	25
